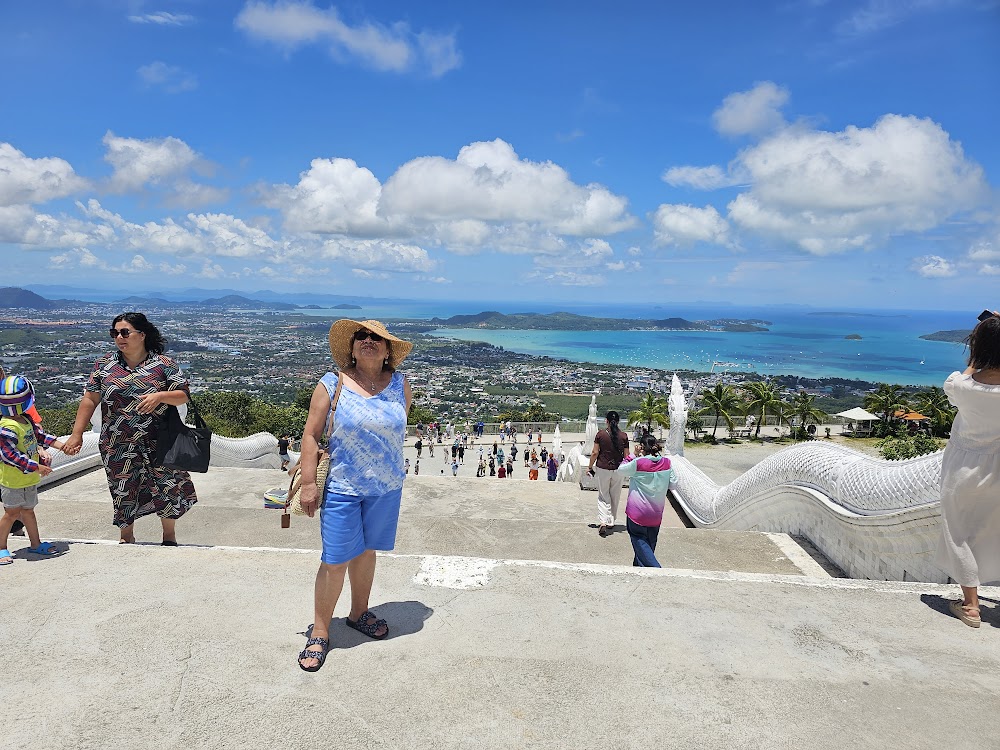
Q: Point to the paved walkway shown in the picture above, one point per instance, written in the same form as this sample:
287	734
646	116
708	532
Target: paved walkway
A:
510	628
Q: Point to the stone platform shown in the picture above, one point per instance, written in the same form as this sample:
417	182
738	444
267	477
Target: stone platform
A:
513	625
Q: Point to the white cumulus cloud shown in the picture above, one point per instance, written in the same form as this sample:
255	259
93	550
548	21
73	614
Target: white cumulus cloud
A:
933	267
679	224
162	163
828	192
488	197
334	196
751	112
27	181
489	182
395	48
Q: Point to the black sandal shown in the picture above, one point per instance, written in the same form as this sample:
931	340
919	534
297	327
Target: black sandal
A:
363	625
320	656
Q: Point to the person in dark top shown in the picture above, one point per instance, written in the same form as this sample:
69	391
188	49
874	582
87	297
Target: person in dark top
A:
610	449
283	442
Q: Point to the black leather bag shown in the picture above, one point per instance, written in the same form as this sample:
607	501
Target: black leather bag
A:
179	446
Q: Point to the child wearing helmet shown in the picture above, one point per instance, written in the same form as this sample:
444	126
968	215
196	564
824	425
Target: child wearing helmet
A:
20	467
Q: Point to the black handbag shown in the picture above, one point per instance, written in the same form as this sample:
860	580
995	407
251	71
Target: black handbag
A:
179	446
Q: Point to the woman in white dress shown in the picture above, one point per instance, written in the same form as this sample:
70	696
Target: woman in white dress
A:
969	550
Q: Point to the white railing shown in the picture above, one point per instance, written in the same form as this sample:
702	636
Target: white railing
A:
873	518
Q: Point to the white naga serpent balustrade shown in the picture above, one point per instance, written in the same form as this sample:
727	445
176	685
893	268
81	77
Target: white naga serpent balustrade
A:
259	451
872	518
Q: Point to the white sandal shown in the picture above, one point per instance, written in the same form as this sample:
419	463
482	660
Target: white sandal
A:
961	611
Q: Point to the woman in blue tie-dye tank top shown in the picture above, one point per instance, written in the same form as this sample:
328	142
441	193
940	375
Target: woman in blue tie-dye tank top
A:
359	505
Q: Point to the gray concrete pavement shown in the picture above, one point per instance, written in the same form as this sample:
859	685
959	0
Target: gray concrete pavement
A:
150	647
512	625
442	516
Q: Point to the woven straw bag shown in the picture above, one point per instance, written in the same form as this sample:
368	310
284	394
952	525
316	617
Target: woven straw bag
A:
293	501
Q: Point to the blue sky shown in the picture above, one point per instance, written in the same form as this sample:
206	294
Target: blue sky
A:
812	152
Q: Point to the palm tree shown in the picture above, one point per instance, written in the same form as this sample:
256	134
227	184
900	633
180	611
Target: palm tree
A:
652	410
887	400
804	407
764	398
934	403
723	401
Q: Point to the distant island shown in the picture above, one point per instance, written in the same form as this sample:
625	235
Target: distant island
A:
853	337
954	337
564	321
15	297
346	306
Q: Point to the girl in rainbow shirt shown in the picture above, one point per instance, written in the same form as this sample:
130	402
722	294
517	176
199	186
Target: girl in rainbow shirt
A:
650	477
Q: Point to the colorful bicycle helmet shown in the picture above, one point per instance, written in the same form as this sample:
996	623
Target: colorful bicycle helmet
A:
16	395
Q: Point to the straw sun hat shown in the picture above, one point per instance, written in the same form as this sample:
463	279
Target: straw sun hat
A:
343	330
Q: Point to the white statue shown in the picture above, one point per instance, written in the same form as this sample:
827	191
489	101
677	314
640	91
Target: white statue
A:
678	408
571	470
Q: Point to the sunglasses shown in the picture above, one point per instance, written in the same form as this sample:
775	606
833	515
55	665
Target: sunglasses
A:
123	332
362	335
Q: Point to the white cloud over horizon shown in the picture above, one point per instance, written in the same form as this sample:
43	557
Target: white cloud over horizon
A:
829	192
686	225
163	163
934	267
395	48
27	181
752	112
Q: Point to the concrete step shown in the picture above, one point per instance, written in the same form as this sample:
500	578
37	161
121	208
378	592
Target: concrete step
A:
451	516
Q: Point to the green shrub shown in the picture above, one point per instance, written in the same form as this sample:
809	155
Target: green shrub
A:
902	447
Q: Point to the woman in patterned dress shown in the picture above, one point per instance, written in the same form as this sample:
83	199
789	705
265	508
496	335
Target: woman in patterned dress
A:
359	505
130	384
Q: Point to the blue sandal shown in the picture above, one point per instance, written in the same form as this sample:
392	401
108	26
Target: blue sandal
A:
320	656
364	625
5	557
45	548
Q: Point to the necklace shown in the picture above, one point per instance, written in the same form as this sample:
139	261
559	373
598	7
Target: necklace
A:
371	383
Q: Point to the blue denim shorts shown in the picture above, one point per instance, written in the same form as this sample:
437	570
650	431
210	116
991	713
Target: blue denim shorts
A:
351	524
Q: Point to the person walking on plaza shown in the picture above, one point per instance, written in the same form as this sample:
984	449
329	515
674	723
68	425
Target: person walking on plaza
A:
610	447
969	548
283	443
510	468
461	454
359	504
501	472
650	476
493	467
552	468
533	470
21	468
131	385
419	445
454	467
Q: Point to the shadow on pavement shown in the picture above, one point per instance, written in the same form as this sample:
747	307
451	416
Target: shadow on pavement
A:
404	618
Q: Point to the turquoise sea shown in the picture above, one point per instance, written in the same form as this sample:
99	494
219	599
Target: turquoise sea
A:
800	341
